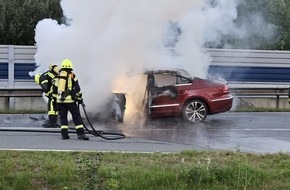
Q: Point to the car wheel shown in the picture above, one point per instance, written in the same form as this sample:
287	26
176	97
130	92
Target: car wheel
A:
195	111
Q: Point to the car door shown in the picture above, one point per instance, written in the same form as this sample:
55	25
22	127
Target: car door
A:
170	91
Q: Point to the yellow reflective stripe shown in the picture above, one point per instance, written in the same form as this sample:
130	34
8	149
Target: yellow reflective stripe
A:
65	101
51	75
64	127
79	126
52	112
68	99
48	93
44	81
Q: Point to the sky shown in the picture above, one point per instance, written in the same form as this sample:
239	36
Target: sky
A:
112	42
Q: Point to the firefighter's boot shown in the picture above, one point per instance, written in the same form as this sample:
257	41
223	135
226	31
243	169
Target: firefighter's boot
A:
64	134
52	122
81	134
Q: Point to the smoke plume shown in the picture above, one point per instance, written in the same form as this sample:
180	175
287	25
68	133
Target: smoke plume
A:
111	42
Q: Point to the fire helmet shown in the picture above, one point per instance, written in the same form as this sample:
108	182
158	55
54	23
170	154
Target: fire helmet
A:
53	67
37	77
66	64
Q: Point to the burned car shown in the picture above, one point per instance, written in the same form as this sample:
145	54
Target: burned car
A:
118	106
174	93
114	109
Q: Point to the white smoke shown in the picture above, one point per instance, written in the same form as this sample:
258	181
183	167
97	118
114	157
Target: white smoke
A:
107	39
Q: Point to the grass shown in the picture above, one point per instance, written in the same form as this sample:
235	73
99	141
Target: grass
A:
179	171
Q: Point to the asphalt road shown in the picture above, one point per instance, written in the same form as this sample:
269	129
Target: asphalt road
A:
245	132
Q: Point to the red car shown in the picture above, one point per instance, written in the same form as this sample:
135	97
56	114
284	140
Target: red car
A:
176	93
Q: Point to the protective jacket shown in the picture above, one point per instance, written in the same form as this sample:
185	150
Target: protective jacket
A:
46	81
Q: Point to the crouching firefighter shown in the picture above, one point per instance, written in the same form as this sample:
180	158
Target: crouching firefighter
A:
45	80
68	92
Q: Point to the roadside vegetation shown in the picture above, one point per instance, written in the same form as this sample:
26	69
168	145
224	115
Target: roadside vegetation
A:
21	170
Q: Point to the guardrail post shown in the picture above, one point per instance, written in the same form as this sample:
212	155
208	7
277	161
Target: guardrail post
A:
277	101
11	53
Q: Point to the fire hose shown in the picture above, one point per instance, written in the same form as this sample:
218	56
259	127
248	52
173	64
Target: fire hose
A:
102	134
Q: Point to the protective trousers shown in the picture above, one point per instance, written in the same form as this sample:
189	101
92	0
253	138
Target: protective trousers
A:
63	109
52	113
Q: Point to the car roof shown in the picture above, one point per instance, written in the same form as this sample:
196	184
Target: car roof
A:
180	72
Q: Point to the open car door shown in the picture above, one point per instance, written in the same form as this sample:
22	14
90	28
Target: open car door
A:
165	93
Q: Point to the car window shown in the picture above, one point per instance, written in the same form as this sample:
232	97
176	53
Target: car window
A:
165	80
183	80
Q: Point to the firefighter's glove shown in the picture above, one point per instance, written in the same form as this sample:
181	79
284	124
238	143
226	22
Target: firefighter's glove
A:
62	96
79	98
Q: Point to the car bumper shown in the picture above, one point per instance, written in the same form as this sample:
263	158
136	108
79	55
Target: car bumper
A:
222	104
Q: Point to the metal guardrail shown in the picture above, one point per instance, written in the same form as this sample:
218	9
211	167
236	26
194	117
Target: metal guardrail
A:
274	91
9	94
277	92
261	92
20	92
246	67
237	92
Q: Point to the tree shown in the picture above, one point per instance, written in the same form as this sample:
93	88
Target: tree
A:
18	19
265	25
277	12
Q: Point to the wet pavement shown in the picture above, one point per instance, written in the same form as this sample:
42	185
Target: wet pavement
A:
247	132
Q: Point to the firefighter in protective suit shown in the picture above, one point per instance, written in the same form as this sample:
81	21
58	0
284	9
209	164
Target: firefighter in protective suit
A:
68	93
45	80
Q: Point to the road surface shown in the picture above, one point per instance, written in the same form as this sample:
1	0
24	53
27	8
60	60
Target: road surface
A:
257	132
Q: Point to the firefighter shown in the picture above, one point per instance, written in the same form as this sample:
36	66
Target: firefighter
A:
45	80
68	93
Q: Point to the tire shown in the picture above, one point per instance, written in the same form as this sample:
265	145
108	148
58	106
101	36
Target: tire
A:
195	111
